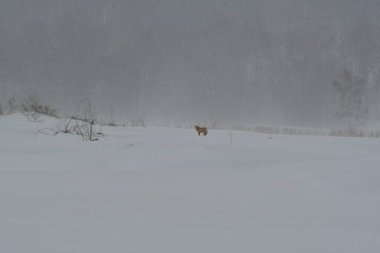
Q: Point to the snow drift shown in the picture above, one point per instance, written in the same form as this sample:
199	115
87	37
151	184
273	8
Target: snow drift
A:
169	190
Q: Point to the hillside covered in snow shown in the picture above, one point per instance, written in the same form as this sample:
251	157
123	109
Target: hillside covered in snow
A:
170	190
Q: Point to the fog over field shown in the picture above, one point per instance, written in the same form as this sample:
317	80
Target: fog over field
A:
241	62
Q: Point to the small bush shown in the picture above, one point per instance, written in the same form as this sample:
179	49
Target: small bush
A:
82	123
85	120
11	106
139	121
33	104
112	124
32	109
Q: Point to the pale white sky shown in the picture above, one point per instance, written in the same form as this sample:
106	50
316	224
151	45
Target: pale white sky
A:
239	62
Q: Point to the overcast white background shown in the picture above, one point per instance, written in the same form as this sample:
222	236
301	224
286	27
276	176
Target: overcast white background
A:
233	62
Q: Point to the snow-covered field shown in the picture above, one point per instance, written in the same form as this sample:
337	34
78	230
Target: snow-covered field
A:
169	190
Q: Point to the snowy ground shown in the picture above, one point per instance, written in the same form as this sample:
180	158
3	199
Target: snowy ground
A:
169	190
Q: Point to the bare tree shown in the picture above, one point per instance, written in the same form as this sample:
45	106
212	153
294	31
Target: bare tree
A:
352	98
11	106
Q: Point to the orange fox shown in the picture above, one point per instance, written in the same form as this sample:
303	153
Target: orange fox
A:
201	130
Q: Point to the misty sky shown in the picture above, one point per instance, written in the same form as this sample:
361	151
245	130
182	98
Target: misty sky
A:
232	62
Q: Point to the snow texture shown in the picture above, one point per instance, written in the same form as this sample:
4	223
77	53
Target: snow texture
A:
169	190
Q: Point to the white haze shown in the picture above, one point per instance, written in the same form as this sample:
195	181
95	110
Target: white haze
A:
233	62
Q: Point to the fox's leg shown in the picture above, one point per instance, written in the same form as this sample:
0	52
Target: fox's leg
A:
199	133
